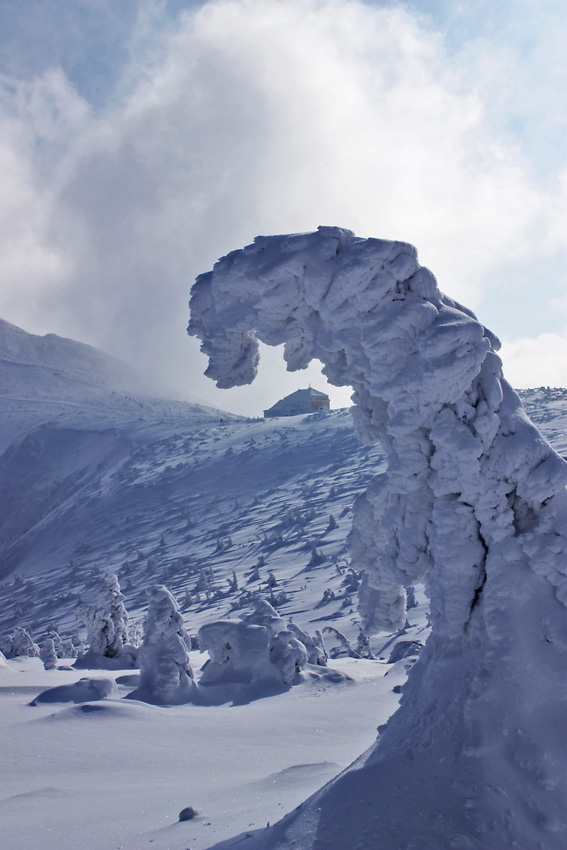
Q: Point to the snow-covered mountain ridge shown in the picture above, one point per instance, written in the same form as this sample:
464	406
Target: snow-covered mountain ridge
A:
50	379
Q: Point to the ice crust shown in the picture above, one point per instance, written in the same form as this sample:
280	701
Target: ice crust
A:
473	505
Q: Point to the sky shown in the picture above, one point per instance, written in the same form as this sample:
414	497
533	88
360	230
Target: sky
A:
141	141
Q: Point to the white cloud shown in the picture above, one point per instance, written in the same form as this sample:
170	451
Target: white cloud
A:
246	117
534	362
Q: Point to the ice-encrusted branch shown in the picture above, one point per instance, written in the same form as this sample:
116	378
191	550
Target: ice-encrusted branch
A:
468	473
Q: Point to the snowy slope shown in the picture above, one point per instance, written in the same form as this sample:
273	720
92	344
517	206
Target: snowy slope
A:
68	414
169	498
58	381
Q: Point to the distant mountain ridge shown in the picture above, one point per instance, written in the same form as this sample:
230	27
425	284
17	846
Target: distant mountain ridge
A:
50	351
58	380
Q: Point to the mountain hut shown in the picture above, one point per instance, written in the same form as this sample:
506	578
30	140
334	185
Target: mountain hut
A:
301	401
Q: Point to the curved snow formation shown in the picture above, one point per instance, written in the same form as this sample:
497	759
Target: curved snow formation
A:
473	504
467	470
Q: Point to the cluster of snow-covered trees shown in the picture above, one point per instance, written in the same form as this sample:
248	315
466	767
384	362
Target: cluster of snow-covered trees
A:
259	648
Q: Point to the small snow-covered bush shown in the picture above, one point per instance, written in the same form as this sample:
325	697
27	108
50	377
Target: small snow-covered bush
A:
342	645
288	655
316	652
68	649
166	676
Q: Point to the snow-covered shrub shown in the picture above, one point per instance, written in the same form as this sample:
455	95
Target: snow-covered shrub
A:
20	644
342	645
135	635
238	653
68	649
328	596
166	677
288	655
263	614
411	601
363	648
107	629
316	652
203	583
57	643
78	645
254	575
278	598
257	648
317	556
48	654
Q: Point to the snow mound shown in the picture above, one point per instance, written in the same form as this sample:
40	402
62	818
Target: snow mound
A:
85	690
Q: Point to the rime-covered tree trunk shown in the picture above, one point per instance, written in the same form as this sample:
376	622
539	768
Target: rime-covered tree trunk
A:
473	505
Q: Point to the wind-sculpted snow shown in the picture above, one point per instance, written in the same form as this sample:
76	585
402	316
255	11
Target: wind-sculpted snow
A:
473	505
466	471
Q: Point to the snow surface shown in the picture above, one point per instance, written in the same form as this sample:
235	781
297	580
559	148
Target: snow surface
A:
188	497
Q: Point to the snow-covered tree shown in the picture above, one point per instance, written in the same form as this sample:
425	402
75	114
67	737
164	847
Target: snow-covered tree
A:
166	677
48	654
107	627
68	649
203	583
20	644
57	642
473	505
